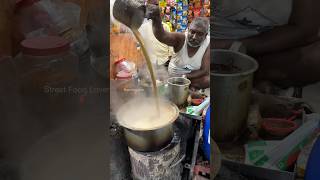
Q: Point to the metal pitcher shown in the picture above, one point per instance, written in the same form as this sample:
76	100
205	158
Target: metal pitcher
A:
231	92
130	12
178	90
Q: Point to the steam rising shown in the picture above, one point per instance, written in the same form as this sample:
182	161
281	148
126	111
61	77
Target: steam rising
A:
141	114
122	91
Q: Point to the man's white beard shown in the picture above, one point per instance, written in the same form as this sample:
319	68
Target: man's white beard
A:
191	45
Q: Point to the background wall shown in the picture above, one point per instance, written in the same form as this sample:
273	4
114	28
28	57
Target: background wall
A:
124	45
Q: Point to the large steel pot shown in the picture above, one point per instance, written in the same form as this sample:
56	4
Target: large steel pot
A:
151	139
230	92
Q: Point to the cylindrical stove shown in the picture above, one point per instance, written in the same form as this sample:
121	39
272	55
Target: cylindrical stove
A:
160	165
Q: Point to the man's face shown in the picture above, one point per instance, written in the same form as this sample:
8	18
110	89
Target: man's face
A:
196	35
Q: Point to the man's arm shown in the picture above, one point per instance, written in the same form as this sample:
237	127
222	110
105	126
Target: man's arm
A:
171	39
302	28
221	43
205	66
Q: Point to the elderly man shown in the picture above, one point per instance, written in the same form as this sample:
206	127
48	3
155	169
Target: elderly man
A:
192	49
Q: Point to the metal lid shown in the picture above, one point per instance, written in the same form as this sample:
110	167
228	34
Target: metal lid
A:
44	46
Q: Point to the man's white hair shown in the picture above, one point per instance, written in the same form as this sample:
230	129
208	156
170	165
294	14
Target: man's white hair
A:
202	22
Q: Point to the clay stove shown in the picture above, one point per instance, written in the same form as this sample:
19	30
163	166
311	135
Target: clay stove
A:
160	165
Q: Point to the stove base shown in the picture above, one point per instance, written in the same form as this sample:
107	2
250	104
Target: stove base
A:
161	165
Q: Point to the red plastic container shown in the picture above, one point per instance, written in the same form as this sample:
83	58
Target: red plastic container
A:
278	127
46	61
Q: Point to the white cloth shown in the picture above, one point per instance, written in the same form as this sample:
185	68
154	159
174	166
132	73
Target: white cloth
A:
182	64
157	51
236	19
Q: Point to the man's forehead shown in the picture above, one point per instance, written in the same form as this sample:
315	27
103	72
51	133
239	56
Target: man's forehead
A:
197	28
153	1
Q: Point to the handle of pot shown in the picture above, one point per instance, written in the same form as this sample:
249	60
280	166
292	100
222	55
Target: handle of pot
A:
237	46
179	157
175	162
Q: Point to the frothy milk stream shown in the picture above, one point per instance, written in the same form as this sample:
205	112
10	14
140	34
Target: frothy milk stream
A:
150	68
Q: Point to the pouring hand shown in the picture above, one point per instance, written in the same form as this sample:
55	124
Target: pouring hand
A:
153	11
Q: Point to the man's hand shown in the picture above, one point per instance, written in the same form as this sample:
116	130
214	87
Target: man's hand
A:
176	40
301	29
153	12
